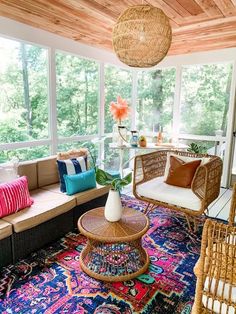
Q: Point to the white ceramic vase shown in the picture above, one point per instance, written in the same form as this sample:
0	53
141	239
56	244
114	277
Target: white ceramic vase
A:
113	208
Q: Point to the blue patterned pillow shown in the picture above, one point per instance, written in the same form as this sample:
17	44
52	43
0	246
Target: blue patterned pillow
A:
70	166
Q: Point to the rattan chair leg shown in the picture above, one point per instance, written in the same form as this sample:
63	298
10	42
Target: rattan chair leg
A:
195	224
151	208
146	208
188	222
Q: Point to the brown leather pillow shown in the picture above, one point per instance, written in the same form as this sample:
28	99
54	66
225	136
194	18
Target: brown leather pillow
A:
181	173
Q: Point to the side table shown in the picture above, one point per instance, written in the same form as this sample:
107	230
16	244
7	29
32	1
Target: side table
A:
114	250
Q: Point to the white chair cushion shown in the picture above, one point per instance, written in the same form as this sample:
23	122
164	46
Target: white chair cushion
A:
156	189
216	304
204	160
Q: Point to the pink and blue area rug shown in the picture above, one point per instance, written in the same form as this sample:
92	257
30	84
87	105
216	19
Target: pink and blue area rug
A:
51	281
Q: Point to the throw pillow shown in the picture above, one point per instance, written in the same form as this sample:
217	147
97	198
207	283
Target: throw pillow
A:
73	153
181	173
14	196
8	170
204	160
83	181
70	166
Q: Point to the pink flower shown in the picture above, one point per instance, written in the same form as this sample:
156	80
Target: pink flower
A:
119	109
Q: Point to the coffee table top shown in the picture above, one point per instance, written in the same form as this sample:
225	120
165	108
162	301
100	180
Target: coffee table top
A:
132	225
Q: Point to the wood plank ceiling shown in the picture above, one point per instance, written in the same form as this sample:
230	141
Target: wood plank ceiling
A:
198	25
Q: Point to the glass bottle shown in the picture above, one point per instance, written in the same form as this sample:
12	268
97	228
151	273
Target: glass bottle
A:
134	138
159	136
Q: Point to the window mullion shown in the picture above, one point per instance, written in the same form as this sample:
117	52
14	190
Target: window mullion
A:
176	107
52	101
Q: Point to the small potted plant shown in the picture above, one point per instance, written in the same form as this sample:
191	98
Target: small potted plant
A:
113	207
142	141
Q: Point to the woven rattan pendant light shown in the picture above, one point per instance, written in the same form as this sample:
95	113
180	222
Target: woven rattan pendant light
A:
142	36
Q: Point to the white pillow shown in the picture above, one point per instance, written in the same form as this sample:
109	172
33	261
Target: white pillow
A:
8	170
204	160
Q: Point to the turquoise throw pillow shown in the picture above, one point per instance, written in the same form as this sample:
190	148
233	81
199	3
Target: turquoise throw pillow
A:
80	182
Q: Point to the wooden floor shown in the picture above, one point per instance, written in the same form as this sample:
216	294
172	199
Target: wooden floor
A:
218	209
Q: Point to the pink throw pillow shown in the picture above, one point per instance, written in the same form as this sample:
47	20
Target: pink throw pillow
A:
14	196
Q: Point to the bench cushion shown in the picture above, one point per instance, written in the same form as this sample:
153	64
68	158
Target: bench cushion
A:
29	169
81	197
47	171
5	229
156	189
47	205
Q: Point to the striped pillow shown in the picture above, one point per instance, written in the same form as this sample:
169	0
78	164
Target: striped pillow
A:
14	196
70	166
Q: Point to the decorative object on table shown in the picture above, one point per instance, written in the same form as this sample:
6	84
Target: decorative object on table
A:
142	141
142	36
197	149
134	138
113	207
119	111
159	136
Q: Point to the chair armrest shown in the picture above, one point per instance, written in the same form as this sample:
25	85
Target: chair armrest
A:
206	181
149	166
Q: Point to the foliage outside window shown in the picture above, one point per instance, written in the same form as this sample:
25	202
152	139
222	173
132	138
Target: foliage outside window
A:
77	95
24	92
205	92
118	82
23	154
155	100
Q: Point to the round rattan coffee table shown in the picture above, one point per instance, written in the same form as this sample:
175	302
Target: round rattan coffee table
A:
114	250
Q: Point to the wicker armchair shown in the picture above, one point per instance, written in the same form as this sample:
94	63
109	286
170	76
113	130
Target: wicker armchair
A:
216	270
233	207
205	186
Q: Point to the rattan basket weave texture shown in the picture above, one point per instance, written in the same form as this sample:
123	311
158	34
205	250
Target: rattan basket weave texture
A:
142	36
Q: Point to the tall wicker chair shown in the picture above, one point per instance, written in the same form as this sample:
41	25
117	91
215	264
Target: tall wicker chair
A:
232	218
205	187
216	271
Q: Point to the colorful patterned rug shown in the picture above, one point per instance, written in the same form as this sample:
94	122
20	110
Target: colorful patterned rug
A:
51	281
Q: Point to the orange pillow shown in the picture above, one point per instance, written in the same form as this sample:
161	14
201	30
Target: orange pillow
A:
181	173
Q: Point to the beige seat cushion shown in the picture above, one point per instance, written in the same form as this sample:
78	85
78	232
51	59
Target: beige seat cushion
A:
5	229
47	205
29	169
47	171
156	189
81	197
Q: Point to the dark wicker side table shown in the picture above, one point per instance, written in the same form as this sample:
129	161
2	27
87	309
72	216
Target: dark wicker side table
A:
114	250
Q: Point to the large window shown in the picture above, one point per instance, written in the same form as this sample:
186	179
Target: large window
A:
205	92
77	95
155	100
24	92
118	82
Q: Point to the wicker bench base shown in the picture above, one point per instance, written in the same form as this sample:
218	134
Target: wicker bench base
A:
5	252
35	238
21	244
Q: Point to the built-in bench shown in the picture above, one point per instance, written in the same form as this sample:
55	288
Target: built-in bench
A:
52	214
